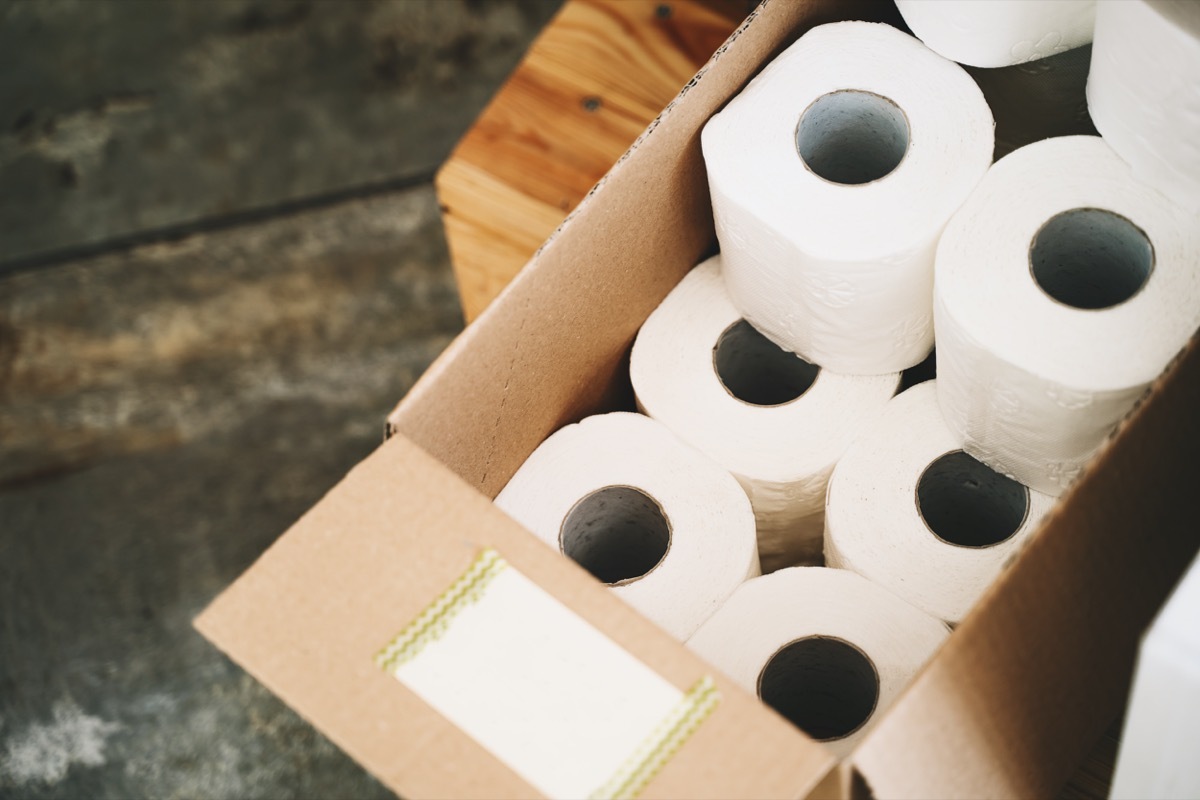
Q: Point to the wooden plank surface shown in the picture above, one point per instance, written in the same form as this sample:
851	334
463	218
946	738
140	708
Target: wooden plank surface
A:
591	82
588	86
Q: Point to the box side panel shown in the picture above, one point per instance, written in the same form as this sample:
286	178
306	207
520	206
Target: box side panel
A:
309	617
551	349
1029	681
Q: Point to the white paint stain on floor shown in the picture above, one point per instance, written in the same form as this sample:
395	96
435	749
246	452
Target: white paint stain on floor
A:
45	751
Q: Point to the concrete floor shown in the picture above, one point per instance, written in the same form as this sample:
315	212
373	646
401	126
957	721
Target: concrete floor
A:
221	264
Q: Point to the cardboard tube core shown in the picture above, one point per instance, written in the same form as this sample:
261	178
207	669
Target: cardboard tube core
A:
617	533
852	137
823	685
757	371
964	502
1090	258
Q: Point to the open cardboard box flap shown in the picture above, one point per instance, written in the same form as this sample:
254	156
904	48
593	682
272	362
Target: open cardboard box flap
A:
310	615
1007	708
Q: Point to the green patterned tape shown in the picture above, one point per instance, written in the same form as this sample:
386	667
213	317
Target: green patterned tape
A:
650	756
663	742
432	623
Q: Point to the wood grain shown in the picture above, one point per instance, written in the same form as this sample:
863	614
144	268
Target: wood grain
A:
587	87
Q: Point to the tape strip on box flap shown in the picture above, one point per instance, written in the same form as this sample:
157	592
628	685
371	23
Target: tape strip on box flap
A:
310	618
560	703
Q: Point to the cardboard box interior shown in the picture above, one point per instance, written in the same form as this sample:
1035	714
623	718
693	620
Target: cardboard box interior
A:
1008	707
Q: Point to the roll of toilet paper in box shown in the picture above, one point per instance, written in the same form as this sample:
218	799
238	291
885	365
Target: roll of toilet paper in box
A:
832	174
1144	91
999	33
913	513
776	422
667	528
1064	287
826	648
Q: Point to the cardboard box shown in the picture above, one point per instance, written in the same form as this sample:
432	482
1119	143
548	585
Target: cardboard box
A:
1007	708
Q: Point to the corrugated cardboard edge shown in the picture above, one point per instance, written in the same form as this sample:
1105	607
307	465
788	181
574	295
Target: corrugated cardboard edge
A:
1077	599
394	420
590	278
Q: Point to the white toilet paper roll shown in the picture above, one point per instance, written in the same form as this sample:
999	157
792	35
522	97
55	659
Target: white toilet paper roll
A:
999	33
776	422
667	528
1144	91
1064	287
915	514
826	648
832	174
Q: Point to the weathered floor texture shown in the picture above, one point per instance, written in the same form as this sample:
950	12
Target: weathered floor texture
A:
167	413
221	264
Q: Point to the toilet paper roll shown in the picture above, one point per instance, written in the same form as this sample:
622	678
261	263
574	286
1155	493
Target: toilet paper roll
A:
1144	92
667	528
832	174
1064	287
913	513
999	33
826	648
776	422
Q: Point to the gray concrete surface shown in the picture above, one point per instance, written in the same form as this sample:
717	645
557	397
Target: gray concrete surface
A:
117	116
166	413
168	409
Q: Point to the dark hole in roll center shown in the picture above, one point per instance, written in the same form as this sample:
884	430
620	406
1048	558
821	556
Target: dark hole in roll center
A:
823	685
757	371
967	503
852	137
617	533
1090	258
